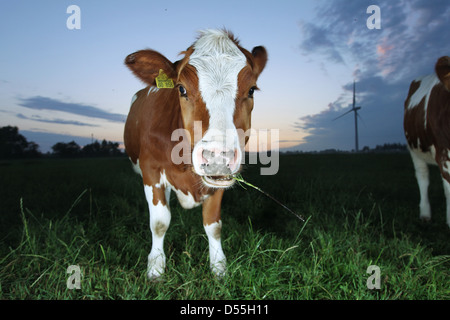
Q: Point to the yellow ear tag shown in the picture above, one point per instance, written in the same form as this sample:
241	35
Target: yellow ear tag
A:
162	81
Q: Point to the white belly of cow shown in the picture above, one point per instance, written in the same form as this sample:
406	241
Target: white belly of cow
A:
187	201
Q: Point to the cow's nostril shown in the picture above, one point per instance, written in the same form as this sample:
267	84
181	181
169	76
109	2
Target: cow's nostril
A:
228	154
218	161
207	155
225	156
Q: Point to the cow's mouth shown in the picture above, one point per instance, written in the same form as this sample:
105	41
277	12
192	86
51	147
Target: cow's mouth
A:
218	181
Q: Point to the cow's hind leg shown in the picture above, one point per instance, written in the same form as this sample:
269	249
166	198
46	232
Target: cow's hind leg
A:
447	197
423	180
159	223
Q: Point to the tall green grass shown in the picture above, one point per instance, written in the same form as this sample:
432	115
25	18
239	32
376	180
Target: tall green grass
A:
361	210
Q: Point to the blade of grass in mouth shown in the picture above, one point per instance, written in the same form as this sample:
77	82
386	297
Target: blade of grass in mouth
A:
241	181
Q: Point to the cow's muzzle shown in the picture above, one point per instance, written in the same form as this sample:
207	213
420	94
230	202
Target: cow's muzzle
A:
217	165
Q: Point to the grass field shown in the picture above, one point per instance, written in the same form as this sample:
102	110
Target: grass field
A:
361	210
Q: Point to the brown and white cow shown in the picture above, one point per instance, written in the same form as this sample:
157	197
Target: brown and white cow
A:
211	100
427	130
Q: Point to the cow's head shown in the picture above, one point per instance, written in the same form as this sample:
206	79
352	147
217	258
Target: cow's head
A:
215	83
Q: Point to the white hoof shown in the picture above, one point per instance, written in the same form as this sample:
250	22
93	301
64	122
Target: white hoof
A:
156	266
425	213
219	268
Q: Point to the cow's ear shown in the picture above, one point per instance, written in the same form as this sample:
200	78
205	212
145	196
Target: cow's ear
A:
146	65
260	59
443	71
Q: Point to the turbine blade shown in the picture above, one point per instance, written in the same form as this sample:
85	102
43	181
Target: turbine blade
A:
354	93
360	118
343	115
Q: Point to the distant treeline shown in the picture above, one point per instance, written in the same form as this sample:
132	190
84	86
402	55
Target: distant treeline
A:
13	145
385	148
95	149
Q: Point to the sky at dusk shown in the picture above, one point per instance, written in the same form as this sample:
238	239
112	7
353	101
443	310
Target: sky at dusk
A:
58	84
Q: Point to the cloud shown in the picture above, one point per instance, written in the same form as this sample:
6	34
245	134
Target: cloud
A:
44	103
295	140
318	38
384	62
57	121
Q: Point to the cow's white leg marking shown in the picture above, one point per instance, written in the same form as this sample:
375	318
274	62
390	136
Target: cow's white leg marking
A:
422	176
217	258
447	197
159	223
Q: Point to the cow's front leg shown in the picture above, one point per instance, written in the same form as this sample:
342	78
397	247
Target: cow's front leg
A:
213	228
159	223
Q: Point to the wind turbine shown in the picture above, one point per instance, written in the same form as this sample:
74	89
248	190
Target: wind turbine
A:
353	109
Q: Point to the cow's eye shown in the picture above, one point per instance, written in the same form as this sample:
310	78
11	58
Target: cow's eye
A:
251	92
183	91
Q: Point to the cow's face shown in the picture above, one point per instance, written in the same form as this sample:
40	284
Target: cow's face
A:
215	83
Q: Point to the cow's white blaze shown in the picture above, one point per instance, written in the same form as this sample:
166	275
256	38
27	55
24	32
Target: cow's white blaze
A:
218	62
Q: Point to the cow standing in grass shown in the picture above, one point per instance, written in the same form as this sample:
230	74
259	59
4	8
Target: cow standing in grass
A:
181	133
427	130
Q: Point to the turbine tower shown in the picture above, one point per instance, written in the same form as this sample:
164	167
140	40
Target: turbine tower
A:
354	109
